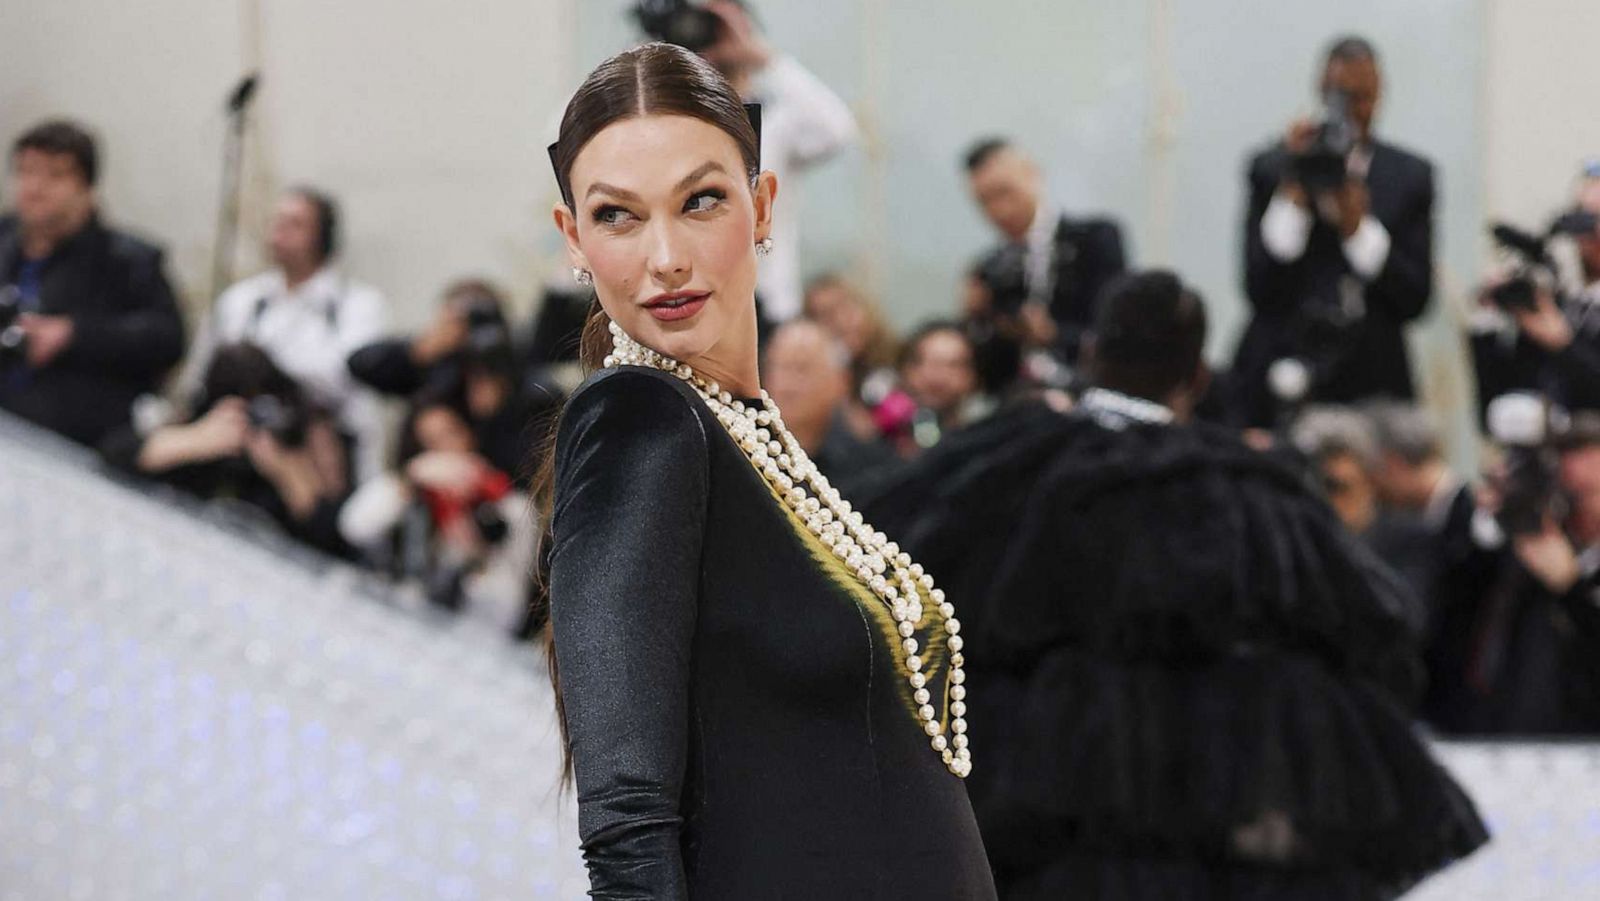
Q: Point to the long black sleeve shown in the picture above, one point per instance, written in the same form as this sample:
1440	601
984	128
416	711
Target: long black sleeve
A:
631	484
387	366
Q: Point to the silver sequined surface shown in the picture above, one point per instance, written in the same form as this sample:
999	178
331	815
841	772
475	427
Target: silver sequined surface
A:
185	714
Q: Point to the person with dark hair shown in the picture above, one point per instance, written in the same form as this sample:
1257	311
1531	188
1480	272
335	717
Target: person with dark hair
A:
88	321
309	317
762	696
257	438
1038	290
1338	254
939	388
1193	681
466	355
1550	347
1516	645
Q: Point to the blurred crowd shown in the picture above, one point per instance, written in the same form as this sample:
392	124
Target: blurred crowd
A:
410	454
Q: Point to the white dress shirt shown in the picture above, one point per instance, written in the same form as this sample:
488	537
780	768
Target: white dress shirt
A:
1286	227
803	123
309	332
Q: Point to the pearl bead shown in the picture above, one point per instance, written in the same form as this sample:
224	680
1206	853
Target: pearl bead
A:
955	643
940	743
914	663
922	696
958	692
925	711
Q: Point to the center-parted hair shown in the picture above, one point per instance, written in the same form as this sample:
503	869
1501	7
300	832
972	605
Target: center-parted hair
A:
651	79
1149	335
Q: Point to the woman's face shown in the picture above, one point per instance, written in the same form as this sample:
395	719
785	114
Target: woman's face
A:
667	222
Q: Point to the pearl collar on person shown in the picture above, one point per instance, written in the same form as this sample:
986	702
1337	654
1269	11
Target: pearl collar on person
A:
1115	410
876	561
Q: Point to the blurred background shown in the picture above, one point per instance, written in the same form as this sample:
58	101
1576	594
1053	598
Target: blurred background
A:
341	320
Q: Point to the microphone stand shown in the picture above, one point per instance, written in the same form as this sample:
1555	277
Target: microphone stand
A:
228	215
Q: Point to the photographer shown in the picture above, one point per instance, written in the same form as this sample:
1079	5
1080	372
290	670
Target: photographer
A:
256	438
308	316
467	351
1039	289
1518	650
446	516
87	319
1528	334
1338	254
803	122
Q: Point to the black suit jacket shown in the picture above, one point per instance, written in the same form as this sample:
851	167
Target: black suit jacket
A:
1086	255
127	331
1366	357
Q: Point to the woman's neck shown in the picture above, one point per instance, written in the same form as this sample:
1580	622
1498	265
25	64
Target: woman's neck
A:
741	379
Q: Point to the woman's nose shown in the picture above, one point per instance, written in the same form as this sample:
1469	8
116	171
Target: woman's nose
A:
669	257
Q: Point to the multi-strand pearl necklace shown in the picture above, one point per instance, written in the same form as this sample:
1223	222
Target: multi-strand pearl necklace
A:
876	561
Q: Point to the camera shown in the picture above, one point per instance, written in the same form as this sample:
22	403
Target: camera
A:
284	421
1005	274
13	340
1527	426
678	22
1322	168
1533	252
488	342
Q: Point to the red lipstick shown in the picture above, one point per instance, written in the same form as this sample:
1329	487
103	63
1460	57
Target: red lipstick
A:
676	305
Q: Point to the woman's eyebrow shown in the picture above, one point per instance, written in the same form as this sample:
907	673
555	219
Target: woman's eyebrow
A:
683	184
700	172
604	188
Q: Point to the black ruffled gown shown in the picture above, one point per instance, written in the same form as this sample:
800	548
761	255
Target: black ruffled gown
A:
1191	683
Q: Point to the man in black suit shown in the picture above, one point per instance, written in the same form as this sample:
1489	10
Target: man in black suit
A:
1336	264
1040	288
92	321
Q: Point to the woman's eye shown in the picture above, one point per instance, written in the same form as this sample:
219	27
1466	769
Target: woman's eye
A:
611	215
704	202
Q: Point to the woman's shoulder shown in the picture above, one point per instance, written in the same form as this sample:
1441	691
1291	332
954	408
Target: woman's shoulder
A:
633	400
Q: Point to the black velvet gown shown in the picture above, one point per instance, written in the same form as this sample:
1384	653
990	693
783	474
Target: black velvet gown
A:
741	726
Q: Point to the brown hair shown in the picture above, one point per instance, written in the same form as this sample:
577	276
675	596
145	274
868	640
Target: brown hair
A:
652	79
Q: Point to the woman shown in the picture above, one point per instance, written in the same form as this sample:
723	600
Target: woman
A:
762	696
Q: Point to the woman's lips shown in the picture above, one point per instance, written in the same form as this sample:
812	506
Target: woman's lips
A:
678	308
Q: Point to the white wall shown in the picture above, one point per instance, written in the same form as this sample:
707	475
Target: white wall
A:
424	118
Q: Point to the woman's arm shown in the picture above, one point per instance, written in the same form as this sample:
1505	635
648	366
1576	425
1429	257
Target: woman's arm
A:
629	517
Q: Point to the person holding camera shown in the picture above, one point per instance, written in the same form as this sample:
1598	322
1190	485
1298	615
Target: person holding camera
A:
1338	254
467	352
256	438
1039	288
1518	648
88	321
446	516
308	317
803	123
1529	335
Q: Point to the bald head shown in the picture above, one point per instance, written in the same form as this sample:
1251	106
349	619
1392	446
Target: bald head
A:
807	372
